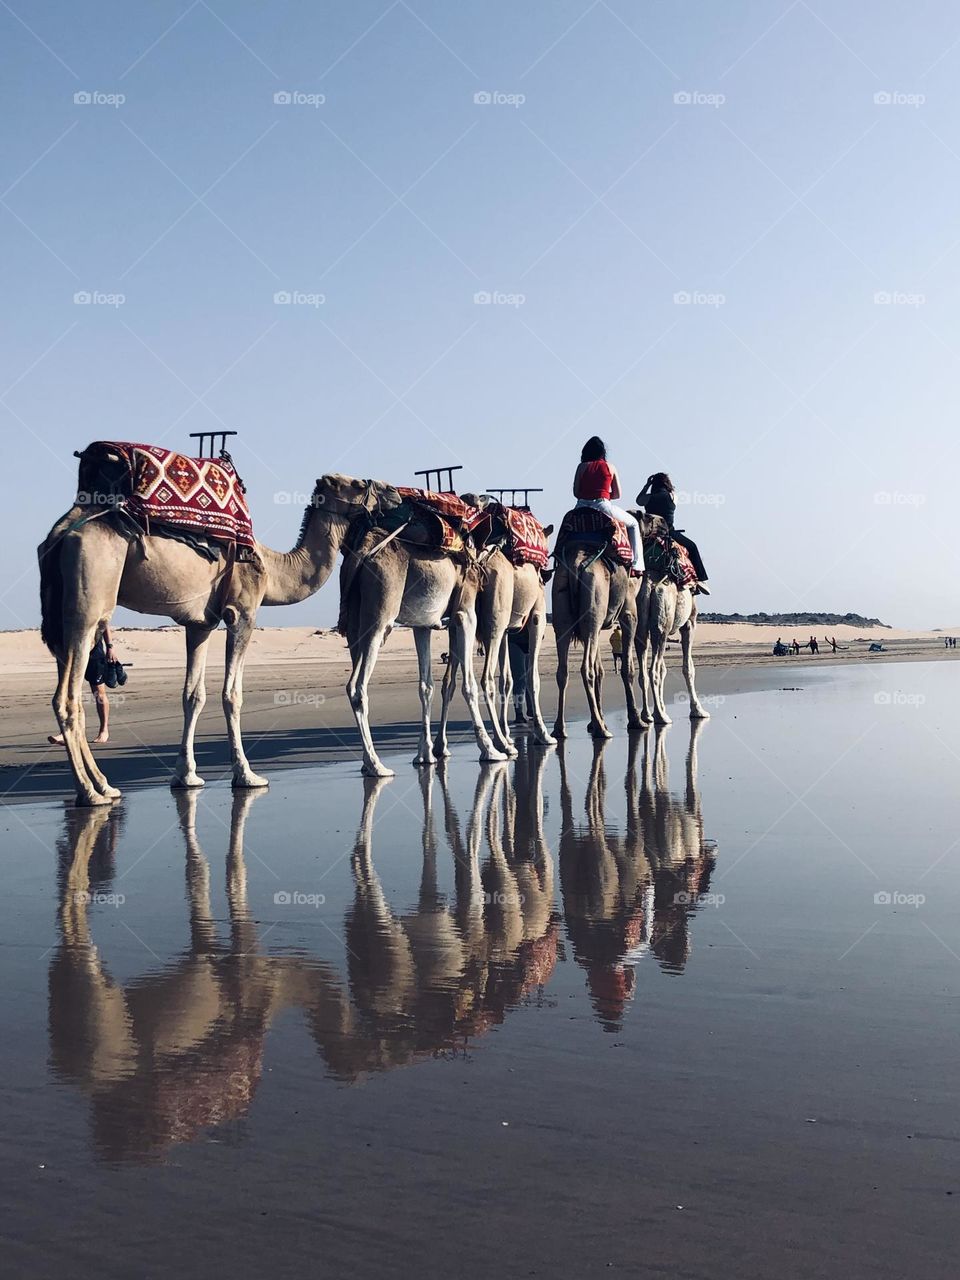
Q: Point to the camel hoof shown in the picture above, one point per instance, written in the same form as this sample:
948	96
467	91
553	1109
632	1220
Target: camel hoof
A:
92	800
698	713
490	755
441	751
559	731
377	770
598	731
662	720
111	793
421	761
250	782
187	780
637	726
545	740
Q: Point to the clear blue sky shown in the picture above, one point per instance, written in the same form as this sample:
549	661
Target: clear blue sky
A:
782	186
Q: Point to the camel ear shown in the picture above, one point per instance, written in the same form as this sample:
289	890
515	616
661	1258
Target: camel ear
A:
548	529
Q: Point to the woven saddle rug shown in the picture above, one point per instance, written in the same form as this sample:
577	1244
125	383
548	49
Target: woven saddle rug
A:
664	558
519	534
441	517
589	524
158	486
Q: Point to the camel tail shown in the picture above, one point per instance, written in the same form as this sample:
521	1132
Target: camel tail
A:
51	591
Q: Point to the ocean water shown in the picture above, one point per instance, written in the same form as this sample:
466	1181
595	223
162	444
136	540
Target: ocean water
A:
682	1004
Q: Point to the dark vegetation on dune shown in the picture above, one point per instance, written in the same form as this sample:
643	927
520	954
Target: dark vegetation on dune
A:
795	619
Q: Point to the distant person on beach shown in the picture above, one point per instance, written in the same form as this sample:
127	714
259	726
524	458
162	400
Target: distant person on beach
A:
814	647
796	647
616	647
95	675
832	642
658	498
595	483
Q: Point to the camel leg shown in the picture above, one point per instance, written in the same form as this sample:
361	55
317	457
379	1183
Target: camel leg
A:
563	652
239	632
495	653
68	708
535	632
628	628
697	709
506	686
194	696
422	636
358	693
463	638
591	671
447	688
658	644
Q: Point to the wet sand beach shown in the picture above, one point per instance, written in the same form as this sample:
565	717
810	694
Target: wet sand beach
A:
683	1004
296	713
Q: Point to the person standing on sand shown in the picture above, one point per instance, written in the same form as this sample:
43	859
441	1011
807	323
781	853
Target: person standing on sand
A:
832	642
95	675
814	647
595	483
796	646
616	647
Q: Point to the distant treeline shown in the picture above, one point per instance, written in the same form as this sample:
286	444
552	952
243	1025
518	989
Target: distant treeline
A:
795	619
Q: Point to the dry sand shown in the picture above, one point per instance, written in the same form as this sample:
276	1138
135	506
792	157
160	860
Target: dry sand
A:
295	711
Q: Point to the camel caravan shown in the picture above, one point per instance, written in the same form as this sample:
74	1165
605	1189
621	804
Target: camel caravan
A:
164	534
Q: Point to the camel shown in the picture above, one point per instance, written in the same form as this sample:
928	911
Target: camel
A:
385	581
590	595
90	563
510	598
663	609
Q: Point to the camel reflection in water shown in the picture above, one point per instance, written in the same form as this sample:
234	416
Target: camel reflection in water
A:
632	891
179	1050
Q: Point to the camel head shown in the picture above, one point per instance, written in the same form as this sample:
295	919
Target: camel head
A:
344	496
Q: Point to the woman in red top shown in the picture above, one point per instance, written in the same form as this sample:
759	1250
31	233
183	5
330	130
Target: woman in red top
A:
595	483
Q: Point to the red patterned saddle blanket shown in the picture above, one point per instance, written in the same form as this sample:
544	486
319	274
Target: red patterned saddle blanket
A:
594	525
686	575
523	537
665	558
155	485
443	514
